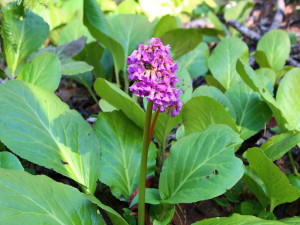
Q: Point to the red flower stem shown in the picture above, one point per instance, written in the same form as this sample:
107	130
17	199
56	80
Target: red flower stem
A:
153	126
143	167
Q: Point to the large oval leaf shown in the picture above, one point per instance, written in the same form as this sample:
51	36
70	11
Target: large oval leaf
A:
216	94
288	98
223	60
74	30
201	166
182	40
276	46
10	161
120	100
199	112
237	219
196	60
268	77
126	29
275	184
44	71
291	220
184	84
36	125
23	32
251	79
280	144
165	24
115	217
164	125
28	199
121	145
252	113
96	23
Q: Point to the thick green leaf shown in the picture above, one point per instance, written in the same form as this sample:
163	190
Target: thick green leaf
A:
268	77
85	79
223	60
282	72
120	100
276	45
214	19
126	29
201	166
92	53
162	214
288	98
278	145
237	219
211	81
63	52
121	145
196	60
239	12
105	106
197	114
165	24
43	71
97	25
184	84
262	59
28	199
182	40
164	125
36	125
115	217
291	220
251	207
75	67
216	94
256	185
278	188
250	78
10	161
152	197
266	215
252	113
23	32
294	180
73	31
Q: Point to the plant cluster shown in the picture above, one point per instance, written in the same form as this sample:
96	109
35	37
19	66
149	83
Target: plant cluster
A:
144	73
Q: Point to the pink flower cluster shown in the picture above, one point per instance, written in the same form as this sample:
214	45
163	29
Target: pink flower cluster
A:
153	72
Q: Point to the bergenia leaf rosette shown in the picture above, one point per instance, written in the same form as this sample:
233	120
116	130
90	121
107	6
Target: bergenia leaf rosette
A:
153	71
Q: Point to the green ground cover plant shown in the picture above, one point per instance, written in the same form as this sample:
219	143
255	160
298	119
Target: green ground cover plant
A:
157	146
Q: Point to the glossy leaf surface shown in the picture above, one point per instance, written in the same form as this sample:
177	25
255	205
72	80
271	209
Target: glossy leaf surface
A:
37	126
201	166
41	200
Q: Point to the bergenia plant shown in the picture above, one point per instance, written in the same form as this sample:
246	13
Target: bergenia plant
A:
154	74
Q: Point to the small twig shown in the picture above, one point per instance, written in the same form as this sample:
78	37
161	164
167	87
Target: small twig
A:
296	57
293	62
244	30
294	21
196	23
251	61
279	14
295	49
